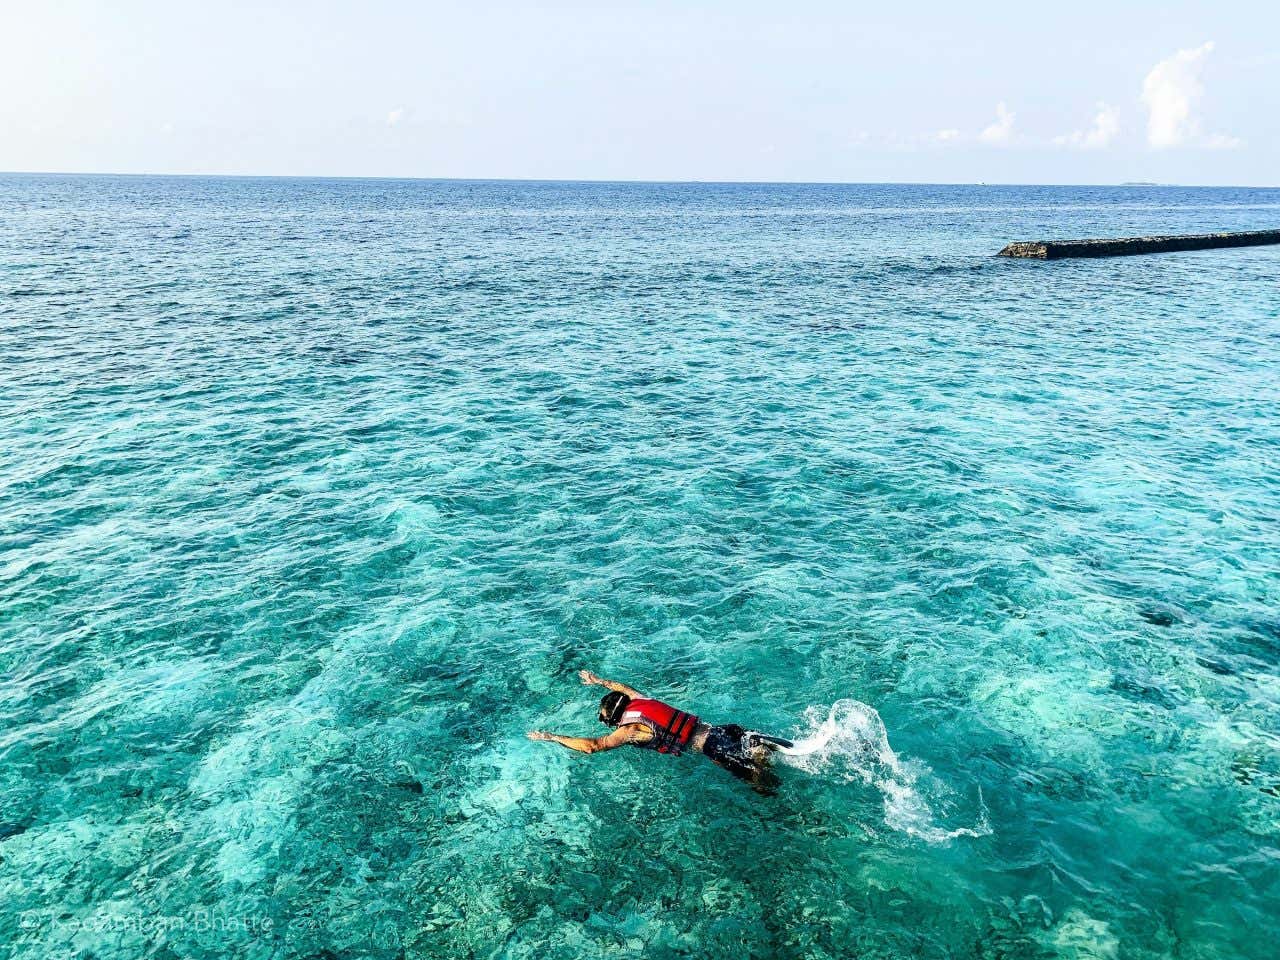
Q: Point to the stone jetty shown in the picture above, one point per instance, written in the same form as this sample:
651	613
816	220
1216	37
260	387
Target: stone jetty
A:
1059	249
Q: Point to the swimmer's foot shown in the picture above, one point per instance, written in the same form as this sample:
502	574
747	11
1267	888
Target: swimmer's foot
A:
768	742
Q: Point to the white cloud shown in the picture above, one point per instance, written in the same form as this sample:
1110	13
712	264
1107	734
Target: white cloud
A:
1106	126
1002	130
1171	93
944	135
1220	141
395	116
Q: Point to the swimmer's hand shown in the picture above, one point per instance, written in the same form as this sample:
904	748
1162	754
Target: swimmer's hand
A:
540	735
589	678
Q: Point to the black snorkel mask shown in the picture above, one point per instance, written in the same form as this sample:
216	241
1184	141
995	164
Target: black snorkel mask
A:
612	706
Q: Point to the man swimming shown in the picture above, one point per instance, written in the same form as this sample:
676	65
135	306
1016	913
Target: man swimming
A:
653	725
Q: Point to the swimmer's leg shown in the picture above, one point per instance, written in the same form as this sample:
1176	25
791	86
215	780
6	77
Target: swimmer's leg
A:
760	748
762	779
765	781
762	745
732	748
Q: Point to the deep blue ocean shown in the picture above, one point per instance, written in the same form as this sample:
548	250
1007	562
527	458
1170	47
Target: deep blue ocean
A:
316	494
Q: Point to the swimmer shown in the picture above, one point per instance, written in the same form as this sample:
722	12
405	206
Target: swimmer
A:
653	725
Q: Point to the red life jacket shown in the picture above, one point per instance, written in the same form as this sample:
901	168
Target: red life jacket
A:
672	728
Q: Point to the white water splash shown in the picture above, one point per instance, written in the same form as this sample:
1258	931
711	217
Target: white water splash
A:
851	742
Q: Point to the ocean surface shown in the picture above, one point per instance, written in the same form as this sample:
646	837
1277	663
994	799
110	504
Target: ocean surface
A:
316	494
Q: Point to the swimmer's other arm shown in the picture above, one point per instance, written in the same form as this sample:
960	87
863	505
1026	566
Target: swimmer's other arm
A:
618	738
589	678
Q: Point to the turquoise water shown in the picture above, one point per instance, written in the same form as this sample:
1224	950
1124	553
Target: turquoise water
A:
315	495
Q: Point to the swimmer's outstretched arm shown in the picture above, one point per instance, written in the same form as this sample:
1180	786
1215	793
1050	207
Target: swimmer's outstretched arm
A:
619	738
589	678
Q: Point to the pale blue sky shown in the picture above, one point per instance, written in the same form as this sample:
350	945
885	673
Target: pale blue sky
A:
1078	92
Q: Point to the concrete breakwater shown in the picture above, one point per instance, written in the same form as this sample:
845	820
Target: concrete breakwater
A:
1060	249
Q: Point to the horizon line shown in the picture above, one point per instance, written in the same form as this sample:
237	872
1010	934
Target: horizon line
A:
636	181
